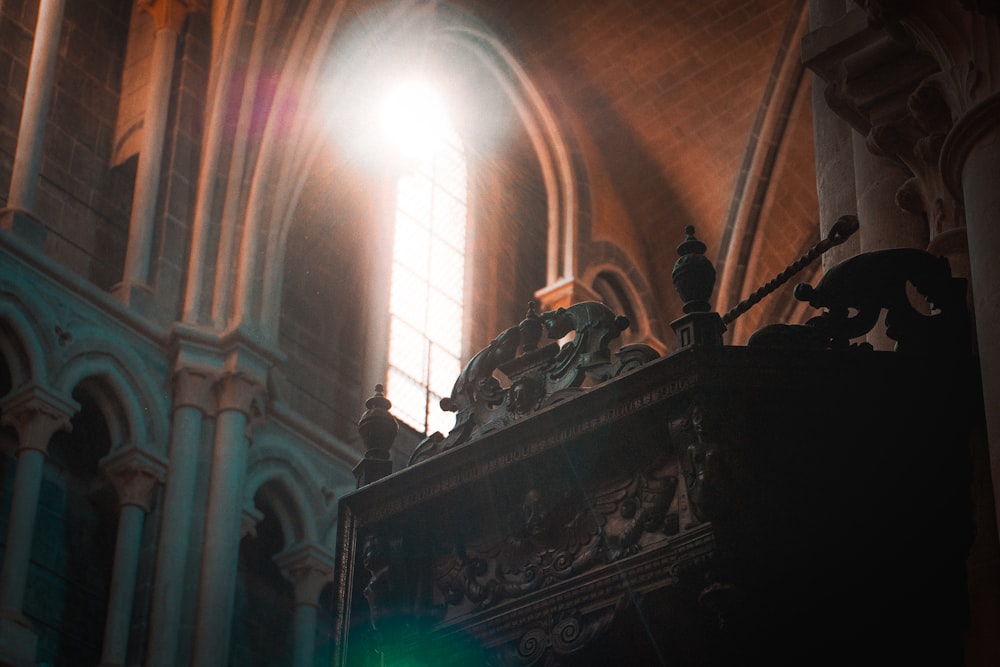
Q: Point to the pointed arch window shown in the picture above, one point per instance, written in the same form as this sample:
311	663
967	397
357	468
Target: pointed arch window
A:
427	285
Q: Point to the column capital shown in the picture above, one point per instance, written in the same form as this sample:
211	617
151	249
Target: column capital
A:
134	473
240	392
193	388
309	567
170	14
36	413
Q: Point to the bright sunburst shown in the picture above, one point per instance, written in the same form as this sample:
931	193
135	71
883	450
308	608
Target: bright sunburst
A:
414	119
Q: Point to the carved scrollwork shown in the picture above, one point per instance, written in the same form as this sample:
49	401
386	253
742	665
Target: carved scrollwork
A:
538	376
856	291
556	535
561	636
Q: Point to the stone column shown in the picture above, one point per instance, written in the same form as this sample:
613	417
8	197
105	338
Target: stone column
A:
34	115
834	148
168	17
134	474
36	414
971	162
883	223
192	400
220	555
309	568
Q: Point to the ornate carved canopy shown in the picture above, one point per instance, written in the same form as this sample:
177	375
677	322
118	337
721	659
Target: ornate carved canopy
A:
803	500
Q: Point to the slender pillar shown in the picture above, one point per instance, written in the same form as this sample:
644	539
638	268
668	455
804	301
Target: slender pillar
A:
134	474
220	555
883	223
309	568
168	17
834	149
36	413
972	154
192	399
34	113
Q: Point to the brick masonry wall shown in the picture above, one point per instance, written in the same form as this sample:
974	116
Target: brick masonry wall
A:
323	301
667	92
82	202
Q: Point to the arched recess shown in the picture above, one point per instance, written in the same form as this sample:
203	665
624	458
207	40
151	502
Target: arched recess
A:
76	525
261	630
616	288
277	477
456	49
135	403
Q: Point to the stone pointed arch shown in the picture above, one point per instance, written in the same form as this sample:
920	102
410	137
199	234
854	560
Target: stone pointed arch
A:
551	144
453	28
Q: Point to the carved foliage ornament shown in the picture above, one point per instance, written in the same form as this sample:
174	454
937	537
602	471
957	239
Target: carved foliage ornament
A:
536	377
557	534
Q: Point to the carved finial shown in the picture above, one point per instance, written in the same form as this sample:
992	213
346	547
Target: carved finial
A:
378	429
693	274
531	328
378	400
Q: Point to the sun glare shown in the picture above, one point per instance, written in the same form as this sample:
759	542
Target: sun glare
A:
414	119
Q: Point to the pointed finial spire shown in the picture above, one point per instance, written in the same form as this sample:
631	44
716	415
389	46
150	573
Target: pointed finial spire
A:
694	279
378	429
693	274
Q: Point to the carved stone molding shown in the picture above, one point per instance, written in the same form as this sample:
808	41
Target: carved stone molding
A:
134	473
943	61
36	413
916	139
